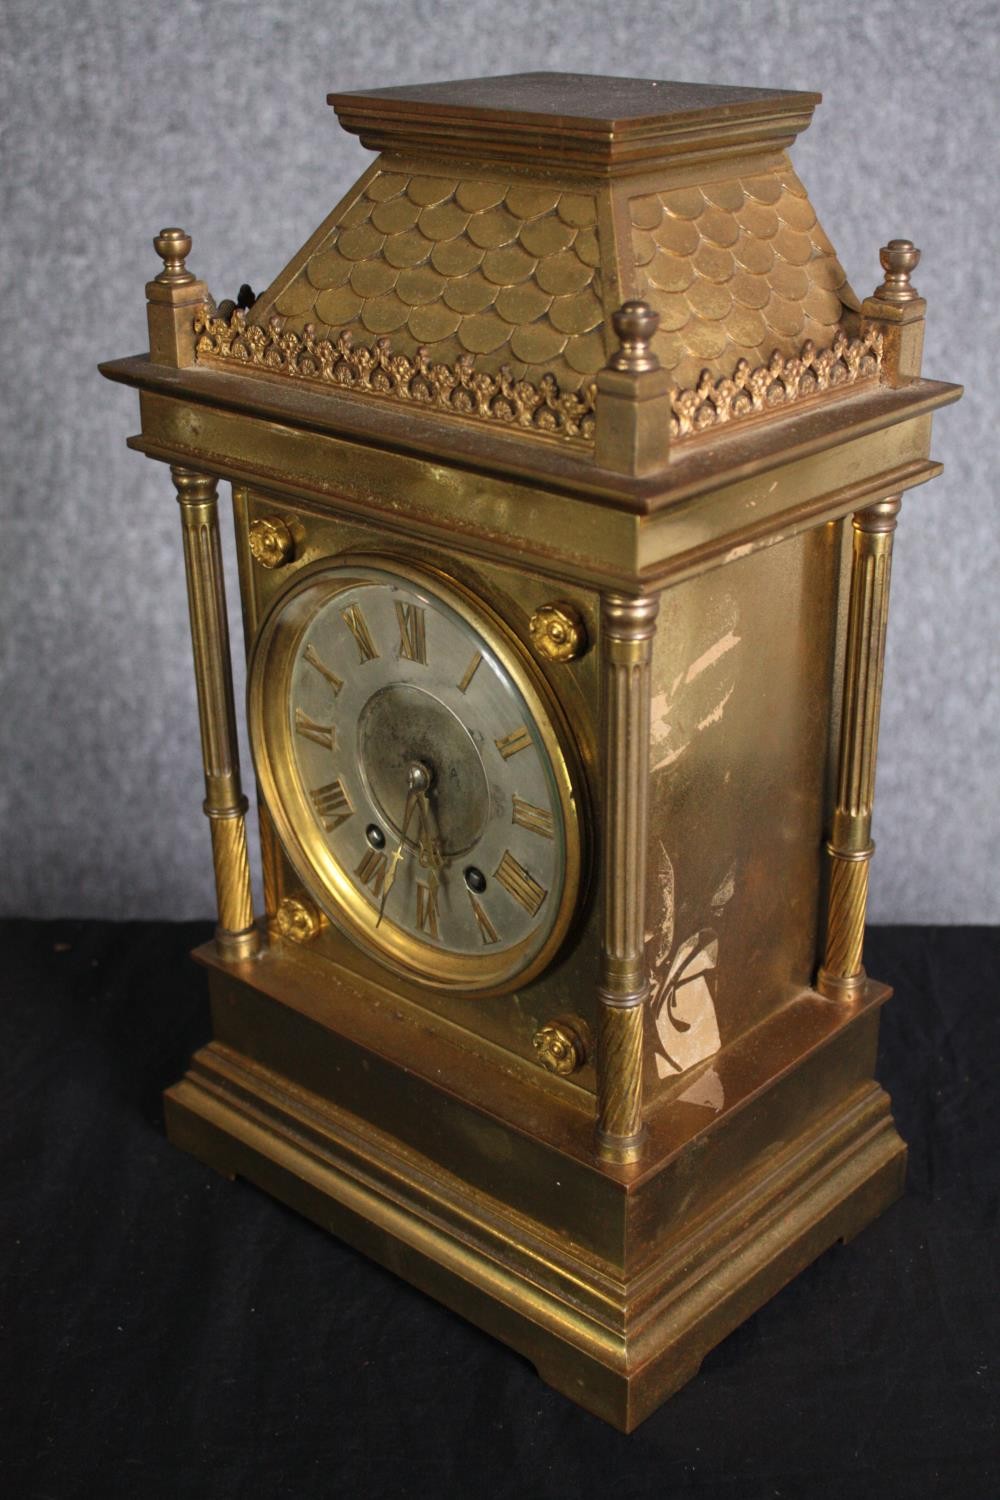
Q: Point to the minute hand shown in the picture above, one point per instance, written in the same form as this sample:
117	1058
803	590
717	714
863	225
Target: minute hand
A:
430	842
411	802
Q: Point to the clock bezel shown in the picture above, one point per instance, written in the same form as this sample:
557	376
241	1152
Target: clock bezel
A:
326	878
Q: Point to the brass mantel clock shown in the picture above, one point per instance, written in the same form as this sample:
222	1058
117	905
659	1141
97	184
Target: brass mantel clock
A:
565	466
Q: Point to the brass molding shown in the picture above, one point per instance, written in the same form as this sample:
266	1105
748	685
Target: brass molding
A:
780	383
562	1045
459	388
298	920
557	632
271	541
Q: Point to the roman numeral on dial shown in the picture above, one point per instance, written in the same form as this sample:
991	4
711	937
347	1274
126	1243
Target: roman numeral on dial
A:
470	671
487	931
518	739
535	819
324	671
371	871
412	633
321	734
427	910
358	626
332	804
518	883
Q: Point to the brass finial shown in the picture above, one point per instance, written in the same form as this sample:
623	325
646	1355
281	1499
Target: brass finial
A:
635	324
172	245
898	258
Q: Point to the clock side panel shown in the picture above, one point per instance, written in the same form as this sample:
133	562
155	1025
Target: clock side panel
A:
567	986
742	711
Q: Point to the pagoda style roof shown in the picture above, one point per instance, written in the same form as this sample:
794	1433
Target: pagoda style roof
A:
518	273
508	218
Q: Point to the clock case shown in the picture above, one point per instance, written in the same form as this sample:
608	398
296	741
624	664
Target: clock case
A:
633	384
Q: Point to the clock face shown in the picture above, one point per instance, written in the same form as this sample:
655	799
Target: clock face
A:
411	758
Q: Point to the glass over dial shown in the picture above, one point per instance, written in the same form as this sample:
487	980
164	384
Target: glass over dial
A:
412	762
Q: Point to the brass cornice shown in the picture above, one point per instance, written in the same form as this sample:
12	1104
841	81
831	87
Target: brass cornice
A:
190	403
628	125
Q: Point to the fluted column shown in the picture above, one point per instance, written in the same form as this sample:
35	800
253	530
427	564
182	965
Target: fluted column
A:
225	805
850	847
628	624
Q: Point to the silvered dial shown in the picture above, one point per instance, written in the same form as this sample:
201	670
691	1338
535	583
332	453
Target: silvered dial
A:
419	775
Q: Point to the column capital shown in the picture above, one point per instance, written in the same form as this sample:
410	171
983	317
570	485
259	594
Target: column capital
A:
193	486
879	517
629	617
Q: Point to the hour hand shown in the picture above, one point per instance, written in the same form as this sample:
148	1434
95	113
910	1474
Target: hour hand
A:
417	781
398	852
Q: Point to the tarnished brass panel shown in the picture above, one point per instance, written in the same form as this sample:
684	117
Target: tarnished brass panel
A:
734	520
414	497
741	703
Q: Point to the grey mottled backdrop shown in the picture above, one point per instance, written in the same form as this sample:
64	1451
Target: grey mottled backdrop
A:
118	118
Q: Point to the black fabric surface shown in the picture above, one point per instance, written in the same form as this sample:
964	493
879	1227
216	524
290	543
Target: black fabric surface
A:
166	1333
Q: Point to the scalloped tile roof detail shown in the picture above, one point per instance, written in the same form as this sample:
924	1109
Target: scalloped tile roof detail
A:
507	273
511	273
736	269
